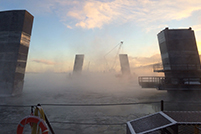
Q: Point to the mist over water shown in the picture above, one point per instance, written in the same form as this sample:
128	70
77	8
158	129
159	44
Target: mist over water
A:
87	88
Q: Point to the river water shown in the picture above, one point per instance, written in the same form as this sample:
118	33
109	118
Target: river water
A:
97	88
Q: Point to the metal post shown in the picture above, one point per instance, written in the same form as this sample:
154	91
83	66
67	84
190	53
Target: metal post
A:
162	105
47	121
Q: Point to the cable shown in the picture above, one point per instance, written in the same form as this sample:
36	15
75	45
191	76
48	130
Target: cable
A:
12	123
74	123
109	104
82	105
101	104
119	44
112	49
86	123
16	105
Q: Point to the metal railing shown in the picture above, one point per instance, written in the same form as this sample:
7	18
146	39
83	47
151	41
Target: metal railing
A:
154	79
111	123
169	82
150	81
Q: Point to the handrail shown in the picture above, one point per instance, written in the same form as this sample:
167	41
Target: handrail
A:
156	79
169	80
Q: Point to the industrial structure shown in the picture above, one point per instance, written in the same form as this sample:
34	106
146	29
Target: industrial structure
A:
15	33
180	62
79	59
110	66
123	58
124	62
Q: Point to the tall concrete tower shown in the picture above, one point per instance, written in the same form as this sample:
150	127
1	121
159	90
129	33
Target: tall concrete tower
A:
15	33
79	59
180	59
125	67
179	53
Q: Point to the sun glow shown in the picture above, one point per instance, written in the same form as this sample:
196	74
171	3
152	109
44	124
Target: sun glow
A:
199	47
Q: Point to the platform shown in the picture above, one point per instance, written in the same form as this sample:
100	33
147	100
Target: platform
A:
168	83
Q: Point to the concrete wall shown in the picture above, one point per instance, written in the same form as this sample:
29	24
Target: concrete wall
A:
178	49
15	33
125	66
79	59
179	52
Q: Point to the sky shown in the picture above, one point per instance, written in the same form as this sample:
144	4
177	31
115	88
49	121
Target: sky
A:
64	28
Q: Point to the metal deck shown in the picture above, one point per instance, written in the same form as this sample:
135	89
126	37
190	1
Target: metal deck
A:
168	121
167	83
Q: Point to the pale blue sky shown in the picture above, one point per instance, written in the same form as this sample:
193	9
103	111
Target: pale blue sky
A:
63	28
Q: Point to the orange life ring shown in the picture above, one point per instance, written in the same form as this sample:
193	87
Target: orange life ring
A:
32	119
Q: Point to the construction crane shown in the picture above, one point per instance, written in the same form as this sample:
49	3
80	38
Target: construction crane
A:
119	45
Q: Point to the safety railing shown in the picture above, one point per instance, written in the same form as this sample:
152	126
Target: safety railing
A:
114	124
155	79
150	81
80	118
168	82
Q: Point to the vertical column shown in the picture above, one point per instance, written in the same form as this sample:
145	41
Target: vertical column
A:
125	67
15	33
79	59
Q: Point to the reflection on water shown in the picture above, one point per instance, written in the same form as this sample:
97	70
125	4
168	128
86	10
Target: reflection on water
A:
89	89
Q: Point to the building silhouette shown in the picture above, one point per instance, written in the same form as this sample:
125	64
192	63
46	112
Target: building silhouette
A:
179	53
180	62
79	59
125	66
15	33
